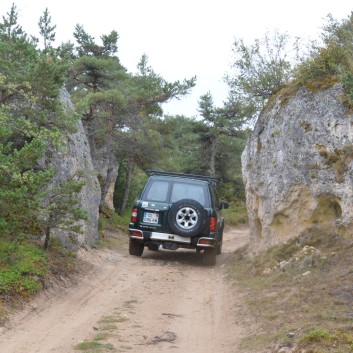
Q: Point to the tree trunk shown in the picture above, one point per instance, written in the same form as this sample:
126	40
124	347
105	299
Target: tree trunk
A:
110	177
214	143
47	235
129	174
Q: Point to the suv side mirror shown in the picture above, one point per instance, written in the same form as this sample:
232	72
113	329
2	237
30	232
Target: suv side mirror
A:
223	205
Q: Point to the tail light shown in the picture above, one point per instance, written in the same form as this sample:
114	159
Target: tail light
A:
213	224
205	241
134	215
136	233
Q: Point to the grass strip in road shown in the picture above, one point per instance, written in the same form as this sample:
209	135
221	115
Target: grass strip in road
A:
108	328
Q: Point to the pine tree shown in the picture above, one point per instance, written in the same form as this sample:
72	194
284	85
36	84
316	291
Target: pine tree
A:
9	26
21	179
46	30
114	102
32	119
225	121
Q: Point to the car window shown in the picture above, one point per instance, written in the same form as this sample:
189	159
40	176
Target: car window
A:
188	191
157	191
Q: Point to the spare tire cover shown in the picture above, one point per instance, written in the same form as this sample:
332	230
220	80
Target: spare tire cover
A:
187	217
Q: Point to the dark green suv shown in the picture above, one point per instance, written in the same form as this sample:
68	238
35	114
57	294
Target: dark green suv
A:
175	211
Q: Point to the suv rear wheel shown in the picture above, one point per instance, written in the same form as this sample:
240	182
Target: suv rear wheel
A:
220	243
187	217
135	248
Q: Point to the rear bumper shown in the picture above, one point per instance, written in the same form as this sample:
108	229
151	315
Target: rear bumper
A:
156	237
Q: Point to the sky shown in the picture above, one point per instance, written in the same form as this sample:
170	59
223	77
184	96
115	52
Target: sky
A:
182	38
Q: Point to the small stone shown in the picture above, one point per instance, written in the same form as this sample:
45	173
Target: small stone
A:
282	264
267	271
291	334
167	336
306	273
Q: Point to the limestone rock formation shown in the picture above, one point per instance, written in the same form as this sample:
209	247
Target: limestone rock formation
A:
105	165
297	167
107	170
76	160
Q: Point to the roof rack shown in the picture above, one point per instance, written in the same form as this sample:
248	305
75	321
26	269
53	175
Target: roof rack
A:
209	179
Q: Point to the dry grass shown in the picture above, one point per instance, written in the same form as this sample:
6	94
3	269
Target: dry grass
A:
301	304
113	239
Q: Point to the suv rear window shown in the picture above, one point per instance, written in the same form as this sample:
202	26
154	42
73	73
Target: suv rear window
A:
188	191
157	190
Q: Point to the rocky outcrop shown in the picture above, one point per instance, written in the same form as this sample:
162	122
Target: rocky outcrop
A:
297	167
107	170
74	161
104	163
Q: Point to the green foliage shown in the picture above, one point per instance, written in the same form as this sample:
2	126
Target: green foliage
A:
315	335
9	26
46	30
20	184
185	149
181	145
32	120
261	69
22	268
331	58
223	140
236	214
320	340
229	165
322	64
137	183
120	109
347	79
94	346
61	208
88	47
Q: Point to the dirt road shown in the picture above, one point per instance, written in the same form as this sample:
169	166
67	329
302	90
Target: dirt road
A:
164	301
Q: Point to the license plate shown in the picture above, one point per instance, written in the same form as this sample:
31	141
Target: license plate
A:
149	217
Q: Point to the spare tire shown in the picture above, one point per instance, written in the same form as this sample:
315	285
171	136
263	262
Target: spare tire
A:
187	217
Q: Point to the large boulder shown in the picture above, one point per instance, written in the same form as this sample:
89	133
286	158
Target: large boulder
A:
297	167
